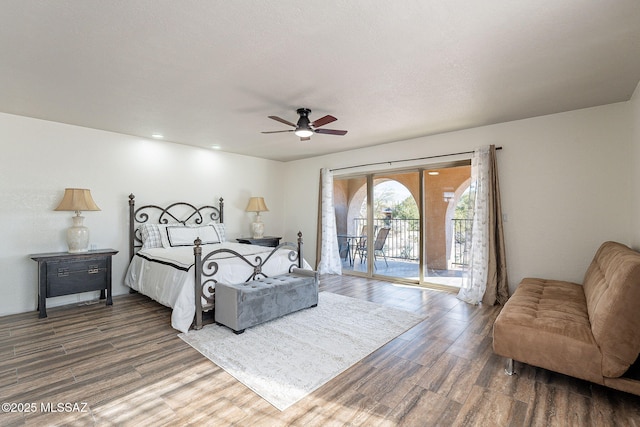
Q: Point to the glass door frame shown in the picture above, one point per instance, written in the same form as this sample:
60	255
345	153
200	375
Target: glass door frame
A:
370	185
421	170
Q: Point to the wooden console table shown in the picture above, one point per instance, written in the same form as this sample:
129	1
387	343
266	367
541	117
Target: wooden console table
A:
64	273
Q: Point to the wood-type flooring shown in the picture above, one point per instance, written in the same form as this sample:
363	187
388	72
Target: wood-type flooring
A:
125	366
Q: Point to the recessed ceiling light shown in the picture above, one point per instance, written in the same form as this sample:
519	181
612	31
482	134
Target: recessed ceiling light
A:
433	173
215	147
157	135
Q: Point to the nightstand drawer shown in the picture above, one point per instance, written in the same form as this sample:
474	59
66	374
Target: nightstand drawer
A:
72	276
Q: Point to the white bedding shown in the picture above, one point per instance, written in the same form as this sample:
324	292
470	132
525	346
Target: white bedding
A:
167	275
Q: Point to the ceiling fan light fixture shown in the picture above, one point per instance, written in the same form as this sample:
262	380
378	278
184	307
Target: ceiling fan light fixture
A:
303	133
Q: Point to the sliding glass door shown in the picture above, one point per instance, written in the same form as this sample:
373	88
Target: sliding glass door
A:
402	224
378	221
447	223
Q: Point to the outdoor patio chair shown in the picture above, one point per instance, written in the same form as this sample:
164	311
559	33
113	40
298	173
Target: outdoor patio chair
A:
378	245
344	247
361	243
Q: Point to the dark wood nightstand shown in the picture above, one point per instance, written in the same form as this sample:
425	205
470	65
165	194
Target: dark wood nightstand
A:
263	241
64	273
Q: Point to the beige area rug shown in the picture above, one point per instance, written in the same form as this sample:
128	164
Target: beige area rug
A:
286	359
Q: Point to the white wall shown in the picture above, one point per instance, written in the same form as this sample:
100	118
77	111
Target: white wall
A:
40	158
569	181
565	185
635	176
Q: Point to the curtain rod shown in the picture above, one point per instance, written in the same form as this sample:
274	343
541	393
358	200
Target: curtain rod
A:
390	162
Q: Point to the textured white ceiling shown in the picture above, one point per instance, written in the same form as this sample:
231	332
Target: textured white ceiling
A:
204	72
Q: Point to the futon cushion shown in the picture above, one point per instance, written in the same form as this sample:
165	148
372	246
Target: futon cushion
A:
612	291
545	323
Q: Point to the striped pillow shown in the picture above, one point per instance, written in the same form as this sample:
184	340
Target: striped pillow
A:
150	234
220	230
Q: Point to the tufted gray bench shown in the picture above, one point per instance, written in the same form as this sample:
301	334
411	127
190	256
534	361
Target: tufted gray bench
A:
243	305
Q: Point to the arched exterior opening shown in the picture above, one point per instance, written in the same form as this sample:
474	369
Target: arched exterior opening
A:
407	228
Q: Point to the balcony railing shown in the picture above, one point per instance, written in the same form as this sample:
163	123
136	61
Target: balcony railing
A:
461	241
403	241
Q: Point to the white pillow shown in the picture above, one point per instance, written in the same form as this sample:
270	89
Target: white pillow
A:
185	236
163	233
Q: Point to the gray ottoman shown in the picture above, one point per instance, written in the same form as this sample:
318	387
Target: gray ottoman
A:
243	305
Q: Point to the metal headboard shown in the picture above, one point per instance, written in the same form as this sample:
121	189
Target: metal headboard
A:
180	212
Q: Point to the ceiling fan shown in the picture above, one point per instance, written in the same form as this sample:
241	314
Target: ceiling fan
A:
304	129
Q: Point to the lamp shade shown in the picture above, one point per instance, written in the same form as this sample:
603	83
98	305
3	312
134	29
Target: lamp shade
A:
77	199
256	204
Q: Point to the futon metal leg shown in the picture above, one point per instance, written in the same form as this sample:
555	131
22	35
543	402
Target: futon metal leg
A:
509	368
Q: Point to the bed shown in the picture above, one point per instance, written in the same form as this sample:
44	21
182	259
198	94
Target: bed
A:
179	252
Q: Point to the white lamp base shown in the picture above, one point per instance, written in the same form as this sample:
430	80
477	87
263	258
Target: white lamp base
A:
78	236
257	227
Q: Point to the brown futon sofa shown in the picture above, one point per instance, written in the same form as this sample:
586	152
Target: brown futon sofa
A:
589	331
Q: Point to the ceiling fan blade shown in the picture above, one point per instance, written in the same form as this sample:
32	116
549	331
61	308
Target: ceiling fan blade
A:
331	131
306	138
278	131
323	121
278	119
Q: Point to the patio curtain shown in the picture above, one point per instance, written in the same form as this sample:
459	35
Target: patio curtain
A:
485	279
329	256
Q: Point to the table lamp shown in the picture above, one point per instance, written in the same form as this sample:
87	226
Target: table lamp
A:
257	205
77	200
